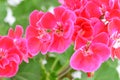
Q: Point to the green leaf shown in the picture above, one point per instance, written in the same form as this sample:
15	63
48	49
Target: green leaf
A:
30	71
106	72
66	55
3	12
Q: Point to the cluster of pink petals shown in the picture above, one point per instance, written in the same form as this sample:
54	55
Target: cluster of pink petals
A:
96	34
91	25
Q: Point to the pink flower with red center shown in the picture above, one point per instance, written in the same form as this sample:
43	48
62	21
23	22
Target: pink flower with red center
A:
38	38
91	54
9	57
114	31
61	23
20	42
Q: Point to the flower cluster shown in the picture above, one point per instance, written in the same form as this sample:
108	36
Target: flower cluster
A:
92	26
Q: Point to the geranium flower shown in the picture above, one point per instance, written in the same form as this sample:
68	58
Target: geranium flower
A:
38	38
61	23
9	57
91	54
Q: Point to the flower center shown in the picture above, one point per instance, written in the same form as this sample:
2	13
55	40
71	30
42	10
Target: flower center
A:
116	38
44	35
86	50
59	29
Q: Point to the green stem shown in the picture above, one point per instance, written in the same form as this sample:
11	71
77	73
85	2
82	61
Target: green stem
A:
54	64
45	71
64	72
63	67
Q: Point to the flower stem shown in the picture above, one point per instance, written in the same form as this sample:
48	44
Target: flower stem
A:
54	64
65	71
45	71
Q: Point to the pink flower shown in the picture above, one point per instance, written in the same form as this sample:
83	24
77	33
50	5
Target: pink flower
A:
114	31
39	38
9	57
91	54
61	23
20	42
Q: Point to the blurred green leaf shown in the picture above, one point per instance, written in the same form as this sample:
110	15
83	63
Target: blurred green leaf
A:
3	12
23	10
30	71
66	55
106	72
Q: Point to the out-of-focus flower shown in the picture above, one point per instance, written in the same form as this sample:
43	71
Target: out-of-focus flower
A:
10	19
76	74
14	2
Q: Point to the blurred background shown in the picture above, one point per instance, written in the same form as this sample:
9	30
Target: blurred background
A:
51	66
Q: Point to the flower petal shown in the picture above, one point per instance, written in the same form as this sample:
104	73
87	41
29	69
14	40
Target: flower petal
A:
101	38
48	21
88	63
101	50
33	46
34	17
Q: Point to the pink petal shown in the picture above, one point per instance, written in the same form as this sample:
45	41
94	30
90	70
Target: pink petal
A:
101	50
18	31
33	46
31	32
68	15
112	14
59	12
34	17
88	63
93	9
45	47
86	29
68	29
79	42
48	21
6	43
3	62
114	26
15	55
60	44
9	70
98	26
101	38
11	33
